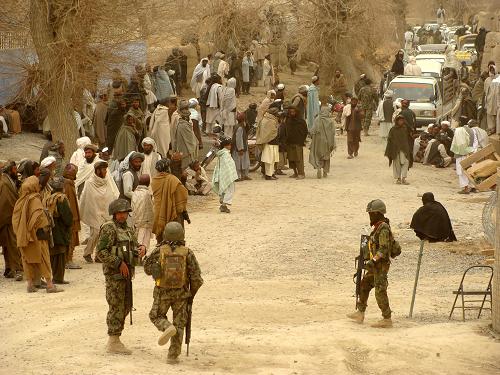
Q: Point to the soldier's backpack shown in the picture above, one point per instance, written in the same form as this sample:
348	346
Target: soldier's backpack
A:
173	263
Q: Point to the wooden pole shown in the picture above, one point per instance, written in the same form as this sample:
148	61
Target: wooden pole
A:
420	253
495	312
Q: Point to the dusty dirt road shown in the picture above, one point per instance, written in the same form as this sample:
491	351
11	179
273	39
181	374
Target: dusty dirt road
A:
278	283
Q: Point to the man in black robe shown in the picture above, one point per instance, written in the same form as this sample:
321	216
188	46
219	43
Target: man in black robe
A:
431	222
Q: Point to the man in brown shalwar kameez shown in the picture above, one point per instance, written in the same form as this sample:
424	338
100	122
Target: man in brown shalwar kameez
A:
353	126
9	184
32	228
70	191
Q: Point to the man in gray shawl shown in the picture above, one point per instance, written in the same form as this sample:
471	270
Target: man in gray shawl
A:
184	140
323	140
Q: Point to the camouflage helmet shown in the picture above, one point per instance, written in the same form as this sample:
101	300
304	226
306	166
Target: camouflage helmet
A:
376	205
119	205
173	232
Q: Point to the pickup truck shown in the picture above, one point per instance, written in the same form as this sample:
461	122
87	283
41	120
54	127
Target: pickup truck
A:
426	98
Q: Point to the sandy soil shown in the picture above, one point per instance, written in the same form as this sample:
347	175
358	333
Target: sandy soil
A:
278	283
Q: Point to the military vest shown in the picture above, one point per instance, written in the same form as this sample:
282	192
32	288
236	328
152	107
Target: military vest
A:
124	246
173	264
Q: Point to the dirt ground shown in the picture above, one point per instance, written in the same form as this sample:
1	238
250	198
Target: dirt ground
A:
278	283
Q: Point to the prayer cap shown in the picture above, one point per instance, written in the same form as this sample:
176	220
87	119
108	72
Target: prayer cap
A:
314	79
49	160
445	122
280	86
193	102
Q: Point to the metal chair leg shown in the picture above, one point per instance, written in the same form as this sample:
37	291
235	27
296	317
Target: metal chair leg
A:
463	305
453	307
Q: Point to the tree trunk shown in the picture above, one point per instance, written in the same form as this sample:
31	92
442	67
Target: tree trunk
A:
56	66
495	312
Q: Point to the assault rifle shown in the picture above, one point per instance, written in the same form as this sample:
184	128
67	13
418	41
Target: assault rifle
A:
129	295
359	263
187	339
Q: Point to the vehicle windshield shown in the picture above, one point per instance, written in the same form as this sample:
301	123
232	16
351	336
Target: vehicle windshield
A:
434	58
413	91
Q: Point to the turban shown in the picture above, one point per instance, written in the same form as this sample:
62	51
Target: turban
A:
49	160
148	141
100	164
193	102
136	155
90	147
280	86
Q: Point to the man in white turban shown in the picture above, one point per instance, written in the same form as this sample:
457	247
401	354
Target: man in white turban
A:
200	74
150	157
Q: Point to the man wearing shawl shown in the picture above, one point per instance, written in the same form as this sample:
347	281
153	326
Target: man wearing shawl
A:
184	141
170	198
247	72
299	101
431	222
99	120
126	139
130	177
196	120
353	125
9	185
323	140
399	150
163	87
114	120
200	74
214	103
223	69
312	102
267	138
59	210
224	176
139	116
228	107
86	169
159	126
150	157
69	190
96	196
462	146
264	106
142	210
78	157
296	134
239	148
268	73
32	228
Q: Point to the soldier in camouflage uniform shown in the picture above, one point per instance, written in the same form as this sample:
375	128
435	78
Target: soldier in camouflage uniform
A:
117	248
369	102
377	266
177	279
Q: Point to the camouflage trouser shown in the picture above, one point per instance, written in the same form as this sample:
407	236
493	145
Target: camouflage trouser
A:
118	310
367	120
163	300
376	277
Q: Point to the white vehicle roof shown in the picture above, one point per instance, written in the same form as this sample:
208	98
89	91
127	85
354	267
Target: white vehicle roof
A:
431	56
415	79
430	66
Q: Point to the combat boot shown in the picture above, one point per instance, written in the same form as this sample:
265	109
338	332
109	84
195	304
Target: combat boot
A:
383	323
166	335
357	316
116	346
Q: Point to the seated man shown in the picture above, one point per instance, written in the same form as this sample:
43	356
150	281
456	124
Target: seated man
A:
419	146
431	222
435	154
197	181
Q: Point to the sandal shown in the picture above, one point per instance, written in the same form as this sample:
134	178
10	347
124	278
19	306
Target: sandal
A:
54	289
